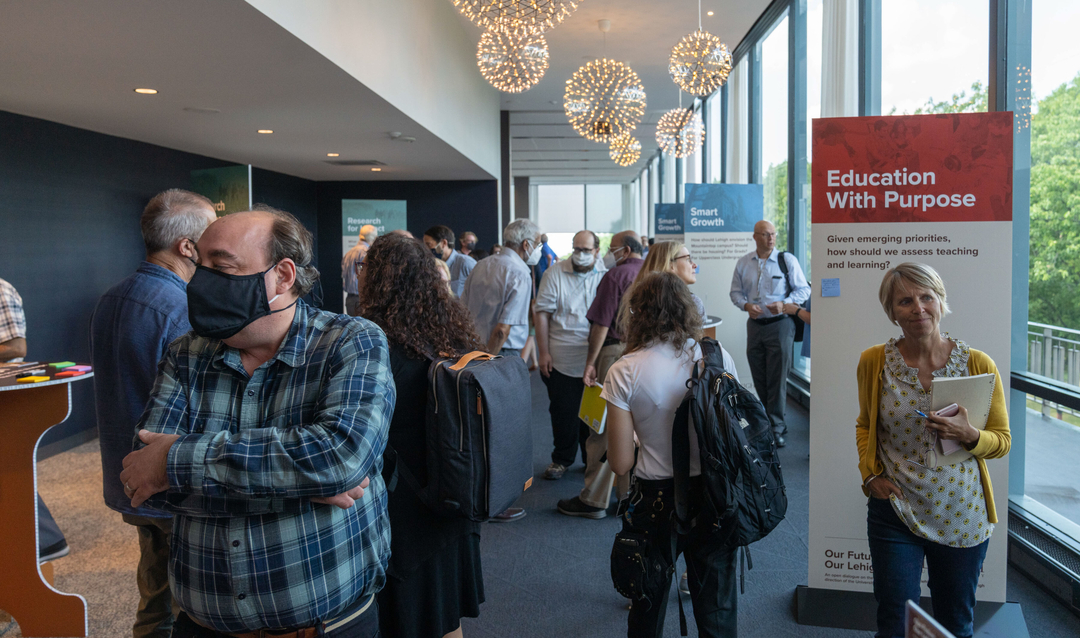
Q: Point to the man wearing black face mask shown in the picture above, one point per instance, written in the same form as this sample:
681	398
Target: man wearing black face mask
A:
440	241
259	434
468	242
132	326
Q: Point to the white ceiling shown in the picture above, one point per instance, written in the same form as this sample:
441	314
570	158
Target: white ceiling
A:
77	63
642	34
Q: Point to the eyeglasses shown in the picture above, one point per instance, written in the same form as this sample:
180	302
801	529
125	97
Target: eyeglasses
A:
930	456
766	234
687	257
583	250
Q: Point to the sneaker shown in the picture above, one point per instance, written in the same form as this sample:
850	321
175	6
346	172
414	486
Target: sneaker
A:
574	507
684	584
58	549
554	472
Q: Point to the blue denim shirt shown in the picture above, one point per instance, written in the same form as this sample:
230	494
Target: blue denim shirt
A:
132	327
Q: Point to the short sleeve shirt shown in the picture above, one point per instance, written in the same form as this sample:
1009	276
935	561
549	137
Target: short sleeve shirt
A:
650	384
498	291
566	295
605	308
461	267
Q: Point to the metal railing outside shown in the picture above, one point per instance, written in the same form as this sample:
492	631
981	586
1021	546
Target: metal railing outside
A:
1054	352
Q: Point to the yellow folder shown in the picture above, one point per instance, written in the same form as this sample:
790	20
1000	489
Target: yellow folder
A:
593	410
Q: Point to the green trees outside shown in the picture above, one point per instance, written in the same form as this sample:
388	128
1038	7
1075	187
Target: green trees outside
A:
1054	273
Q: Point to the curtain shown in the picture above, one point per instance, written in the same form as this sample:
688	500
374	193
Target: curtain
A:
840	58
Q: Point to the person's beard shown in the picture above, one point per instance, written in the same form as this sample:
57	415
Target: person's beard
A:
583	269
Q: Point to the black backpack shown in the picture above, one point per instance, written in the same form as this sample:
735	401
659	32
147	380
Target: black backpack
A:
744	485
479	441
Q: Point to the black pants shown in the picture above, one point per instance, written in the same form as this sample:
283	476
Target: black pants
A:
569	432
710	566
769	351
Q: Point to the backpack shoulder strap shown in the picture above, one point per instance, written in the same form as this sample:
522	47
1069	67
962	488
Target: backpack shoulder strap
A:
781	260
711	353
680	455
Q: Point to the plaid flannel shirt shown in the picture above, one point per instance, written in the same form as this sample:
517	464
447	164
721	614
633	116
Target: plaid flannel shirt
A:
12	318
250	550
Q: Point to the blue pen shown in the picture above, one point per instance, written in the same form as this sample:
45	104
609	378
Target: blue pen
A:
919	412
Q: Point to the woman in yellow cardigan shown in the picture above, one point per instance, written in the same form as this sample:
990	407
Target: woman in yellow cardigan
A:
917	508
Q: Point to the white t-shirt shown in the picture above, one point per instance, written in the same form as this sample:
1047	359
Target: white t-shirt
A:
650	384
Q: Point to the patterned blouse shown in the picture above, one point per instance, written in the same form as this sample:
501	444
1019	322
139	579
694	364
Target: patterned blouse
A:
944	504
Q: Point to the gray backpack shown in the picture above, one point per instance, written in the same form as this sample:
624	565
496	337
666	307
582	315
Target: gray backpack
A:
479	444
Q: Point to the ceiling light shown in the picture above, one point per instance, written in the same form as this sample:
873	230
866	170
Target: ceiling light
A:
625	149
376	169
700	63
709	13
680	132
535	16
331	154
265	131
604	99
512	60
146	91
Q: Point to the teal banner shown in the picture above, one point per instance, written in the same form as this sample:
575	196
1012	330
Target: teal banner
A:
229	188
384	214
669	219
723	208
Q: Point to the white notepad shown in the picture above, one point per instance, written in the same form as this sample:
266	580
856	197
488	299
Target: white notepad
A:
973	393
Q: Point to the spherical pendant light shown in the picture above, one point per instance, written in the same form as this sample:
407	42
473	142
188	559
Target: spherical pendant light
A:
535	16
700	63
625	149
604	99
512	60
680	132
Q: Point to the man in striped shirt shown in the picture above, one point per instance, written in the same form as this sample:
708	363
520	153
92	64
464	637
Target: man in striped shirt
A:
261	431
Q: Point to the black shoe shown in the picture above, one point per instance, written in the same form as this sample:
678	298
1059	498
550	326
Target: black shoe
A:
508	515
58	549
574	507
780	442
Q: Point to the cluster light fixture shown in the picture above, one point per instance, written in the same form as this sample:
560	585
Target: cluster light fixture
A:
535	16
700	63
512	59
604	99
680	132
625	150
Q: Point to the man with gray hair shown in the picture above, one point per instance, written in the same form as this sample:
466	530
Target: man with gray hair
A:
265	427
497	293
351	264
132	326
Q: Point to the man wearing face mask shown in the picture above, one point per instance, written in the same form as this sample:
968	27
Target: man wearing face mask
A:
261	430
131	328
468	242
440	241
623	262
562	337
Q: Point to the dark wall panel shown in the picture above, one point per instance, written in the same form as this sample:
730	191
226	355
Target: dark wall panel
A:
70	201
461	205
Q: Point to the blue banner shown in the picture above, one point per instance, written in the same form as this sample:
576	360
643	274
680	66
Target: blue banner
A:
669	219
723	208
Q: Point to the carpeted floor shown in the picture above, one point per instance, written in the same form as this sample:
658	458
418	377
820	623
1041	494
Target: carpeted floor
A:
545	576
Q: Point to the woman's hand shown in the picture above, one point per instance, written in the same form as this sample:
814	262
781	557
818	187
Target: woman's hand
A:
882	488
954	428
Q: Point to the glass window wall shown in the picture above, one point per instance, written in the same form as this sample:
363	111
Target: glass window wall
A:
774	129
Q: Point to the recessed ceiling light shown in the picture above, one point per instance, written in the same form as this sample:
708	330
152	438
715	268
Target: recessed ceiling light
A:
331	154
375	169
146	91
265	131
709	13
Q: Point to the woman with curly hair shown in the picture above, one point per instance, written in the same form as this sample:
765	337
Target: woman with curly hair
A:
643	390
434	577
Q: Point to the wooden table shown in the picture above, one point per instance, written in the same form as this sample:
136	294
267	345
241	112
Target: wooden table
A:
26	412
